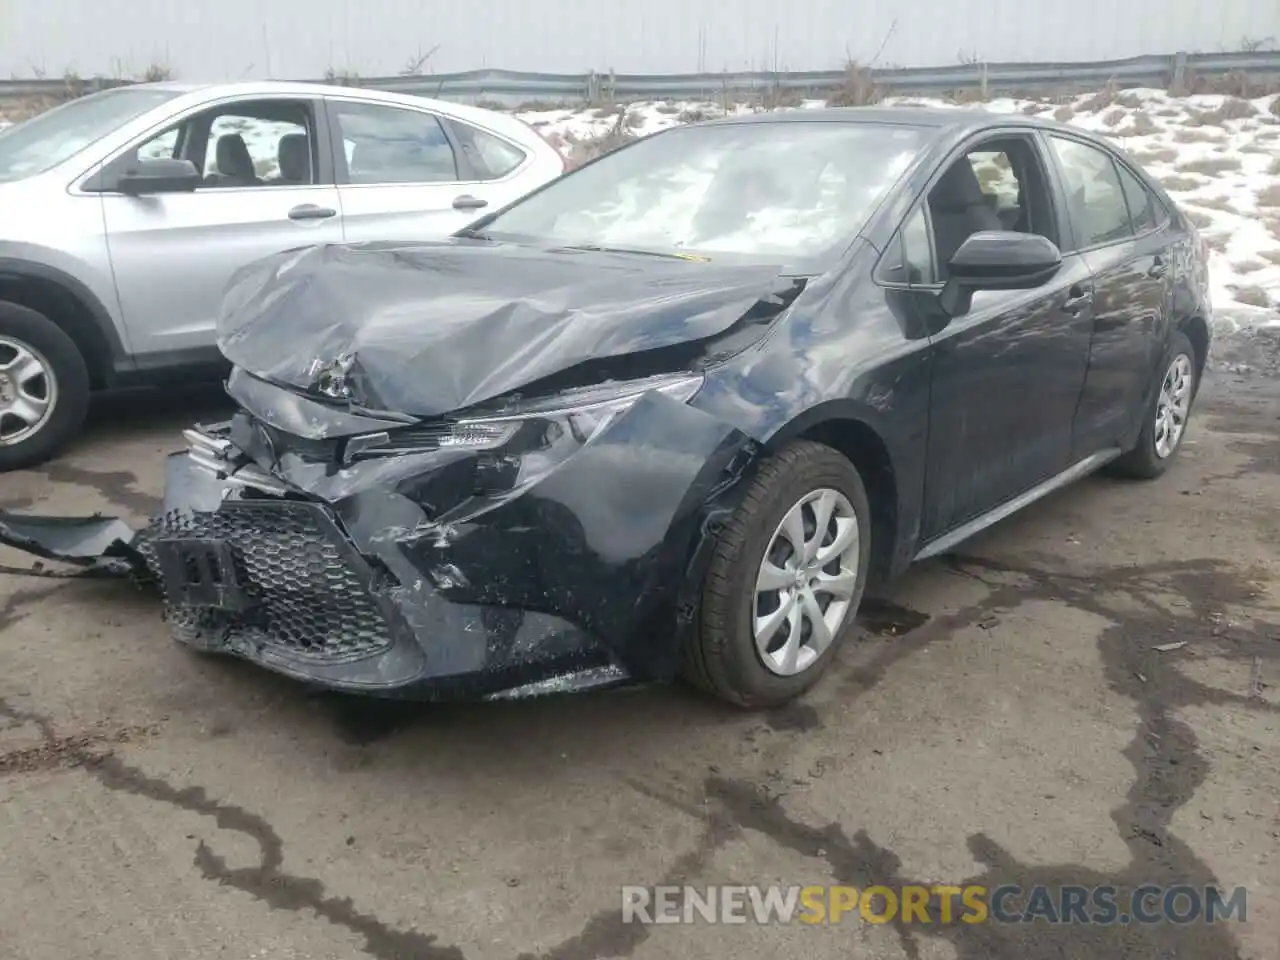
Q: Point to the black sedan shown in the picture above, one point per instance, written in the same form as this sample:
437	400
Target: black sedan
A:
670	413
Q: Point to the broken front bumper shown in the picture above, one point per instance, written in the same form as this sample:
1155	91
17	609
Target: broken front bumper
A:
346	577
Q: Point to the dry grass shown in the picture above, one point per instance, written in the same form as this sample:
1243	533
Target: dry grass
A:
693	115
1253	295
157	73
964	95
1274	168
1272	256
1210	165
1156	155
611	110
857	89
1217	241
1113	117
1130	100
669	109
1102	99
776	98
1169	112
634	121
1270	197
1272	222
1142	126
1232	108
1233	84
1064	113
584	151
1248	266
1179	184
1198	217
1216	203
1198	135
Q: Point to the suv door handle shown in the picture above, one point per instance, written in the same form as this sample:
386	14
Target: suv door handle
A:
468	202
1158	268
1078	297
309	211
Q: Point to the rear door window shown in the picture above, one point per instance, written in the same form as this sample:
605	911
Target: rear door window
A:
1095	197
385	144
1145	211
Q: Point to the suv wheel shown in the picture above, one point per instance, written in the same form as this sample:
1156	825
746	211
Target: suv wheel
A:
785	579
44	387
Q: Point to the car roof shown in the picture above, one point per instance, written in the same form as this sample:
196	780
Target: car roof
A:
953	119
290	88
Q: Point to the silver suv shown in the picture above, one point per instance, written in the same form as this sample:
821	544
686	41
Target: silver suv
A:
124	214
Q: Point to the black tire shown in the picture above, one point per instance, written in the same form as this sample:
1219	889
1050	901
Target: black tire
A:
1142	462
71	403
721	656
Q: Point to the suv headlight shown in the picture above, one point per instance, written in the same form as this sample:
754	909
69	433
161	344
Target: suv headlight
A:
527	426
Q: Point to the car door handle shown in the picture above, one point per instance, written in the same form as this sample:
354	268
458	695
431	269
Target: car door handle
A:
468	202
309	211
1158	269
1078	298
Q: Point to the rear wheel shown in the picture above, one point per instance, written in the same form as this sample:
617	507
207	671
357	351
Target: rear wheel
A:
44	387
785	580
1165	421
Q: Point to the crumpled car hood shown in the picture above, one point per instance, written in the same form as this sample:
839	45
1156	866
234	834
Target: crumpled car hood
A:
429	328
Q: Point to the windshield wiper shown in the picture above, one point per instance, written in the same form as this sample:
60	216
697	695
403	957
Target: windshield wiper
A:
599	248
473	234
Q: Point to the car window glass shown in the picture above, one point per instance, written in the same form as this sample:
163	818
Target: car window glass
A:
245	149
1143	209
163	146
998	182
488	156
909	258
48	139
784	193
391	145
1094	195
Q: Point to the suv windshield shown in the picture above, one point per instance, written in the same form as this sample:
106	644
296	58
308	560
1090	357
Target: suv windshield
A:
41	143
791	191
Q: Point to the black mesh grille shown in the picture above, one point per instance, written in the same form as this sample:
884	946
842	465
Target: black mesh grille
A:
308	587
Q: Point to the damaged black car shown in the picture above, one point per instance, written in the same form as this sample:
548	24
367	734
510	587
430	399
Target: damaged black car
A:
671	413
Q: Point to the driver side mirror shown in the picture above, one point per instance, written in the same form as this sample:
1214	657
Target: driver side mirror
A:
160	175
998	260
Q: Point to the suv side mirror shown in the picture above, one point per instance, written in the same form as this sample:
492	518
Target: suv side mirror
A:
158	176
998	260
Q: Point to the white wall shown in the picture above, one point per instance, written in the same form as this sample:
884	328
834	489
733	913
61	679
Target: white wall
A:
300	39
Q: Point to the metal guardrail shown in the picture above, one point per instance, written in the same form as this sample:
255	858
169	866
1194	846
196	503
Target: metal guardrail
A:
509	87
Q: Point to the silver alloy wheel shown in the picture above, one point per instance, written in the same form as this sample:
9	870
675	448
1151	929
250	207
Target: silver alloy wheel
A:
1173	406
806	581
28	391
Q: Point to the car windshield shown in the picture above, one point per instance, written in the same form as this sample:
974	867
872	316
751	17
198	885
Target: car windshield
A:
792	192
41	143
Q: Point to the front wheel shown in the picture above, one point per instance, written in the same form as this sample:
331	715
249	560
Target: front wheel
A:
44	387
785	580
1165	420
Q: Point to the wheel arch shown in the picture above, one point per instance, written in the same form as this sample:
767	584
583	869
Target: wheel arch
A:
1197	331
72	306
852	432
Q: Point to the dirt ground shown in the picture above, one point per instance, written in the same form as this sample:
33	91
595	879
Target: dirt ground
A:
1003	719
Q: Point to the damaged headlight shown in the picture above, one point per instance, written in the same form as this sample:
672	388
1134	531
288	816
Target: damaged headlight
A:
580	413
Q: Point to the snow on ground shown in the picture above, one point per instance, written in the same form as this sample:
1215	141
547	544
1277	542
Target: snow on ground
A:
1219	158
